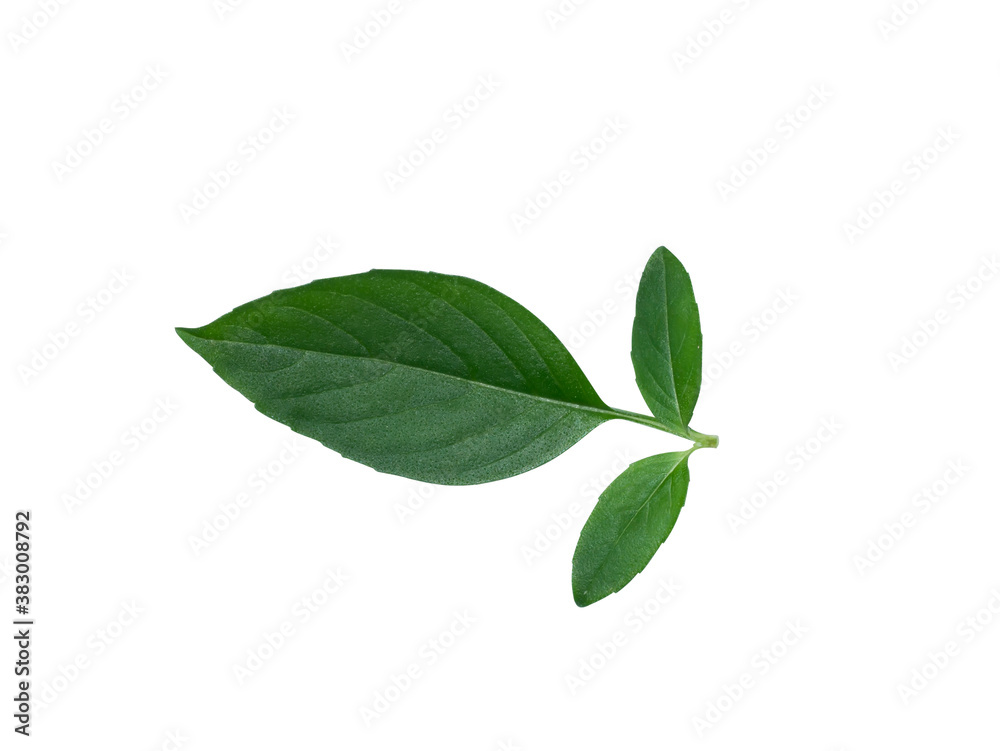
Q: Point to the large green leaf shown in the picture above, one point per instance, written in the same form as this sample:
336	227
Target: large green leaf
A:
633	517
666	342
438	378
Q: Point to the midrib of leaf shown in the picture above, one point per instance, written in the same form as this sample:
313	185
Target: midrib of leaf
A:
656	382
668	354
608	413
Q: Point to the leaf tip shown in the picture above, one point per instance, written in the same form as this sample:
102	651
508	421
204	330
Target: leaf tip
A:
586	597
193	338
187	335
584	593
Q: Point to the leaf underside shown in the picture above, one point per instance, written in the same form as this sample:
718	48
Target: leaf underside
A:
438	378
633	517
666	341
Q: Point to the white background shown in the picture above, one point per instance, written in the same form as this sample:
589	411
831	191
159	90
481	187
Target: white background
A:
504	683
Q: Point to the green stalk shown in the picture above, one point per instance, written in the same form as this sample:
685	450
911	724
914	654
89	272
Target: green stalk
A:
700	439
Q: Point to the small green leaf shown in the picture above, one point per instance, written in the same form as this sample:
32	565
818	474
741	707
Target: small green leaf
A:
666	342
633	517
437	378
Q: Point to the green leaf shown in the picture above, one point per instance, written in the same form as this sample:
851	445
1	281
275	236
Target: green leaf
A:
437	378
633	517
666	342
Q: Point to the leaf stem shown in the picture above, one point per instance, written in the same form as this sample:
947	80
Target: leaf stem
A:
703	441
700	439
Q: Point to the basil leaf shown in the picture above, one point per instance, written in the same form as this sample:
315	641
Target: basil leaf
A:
633	517
666	342
437	378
